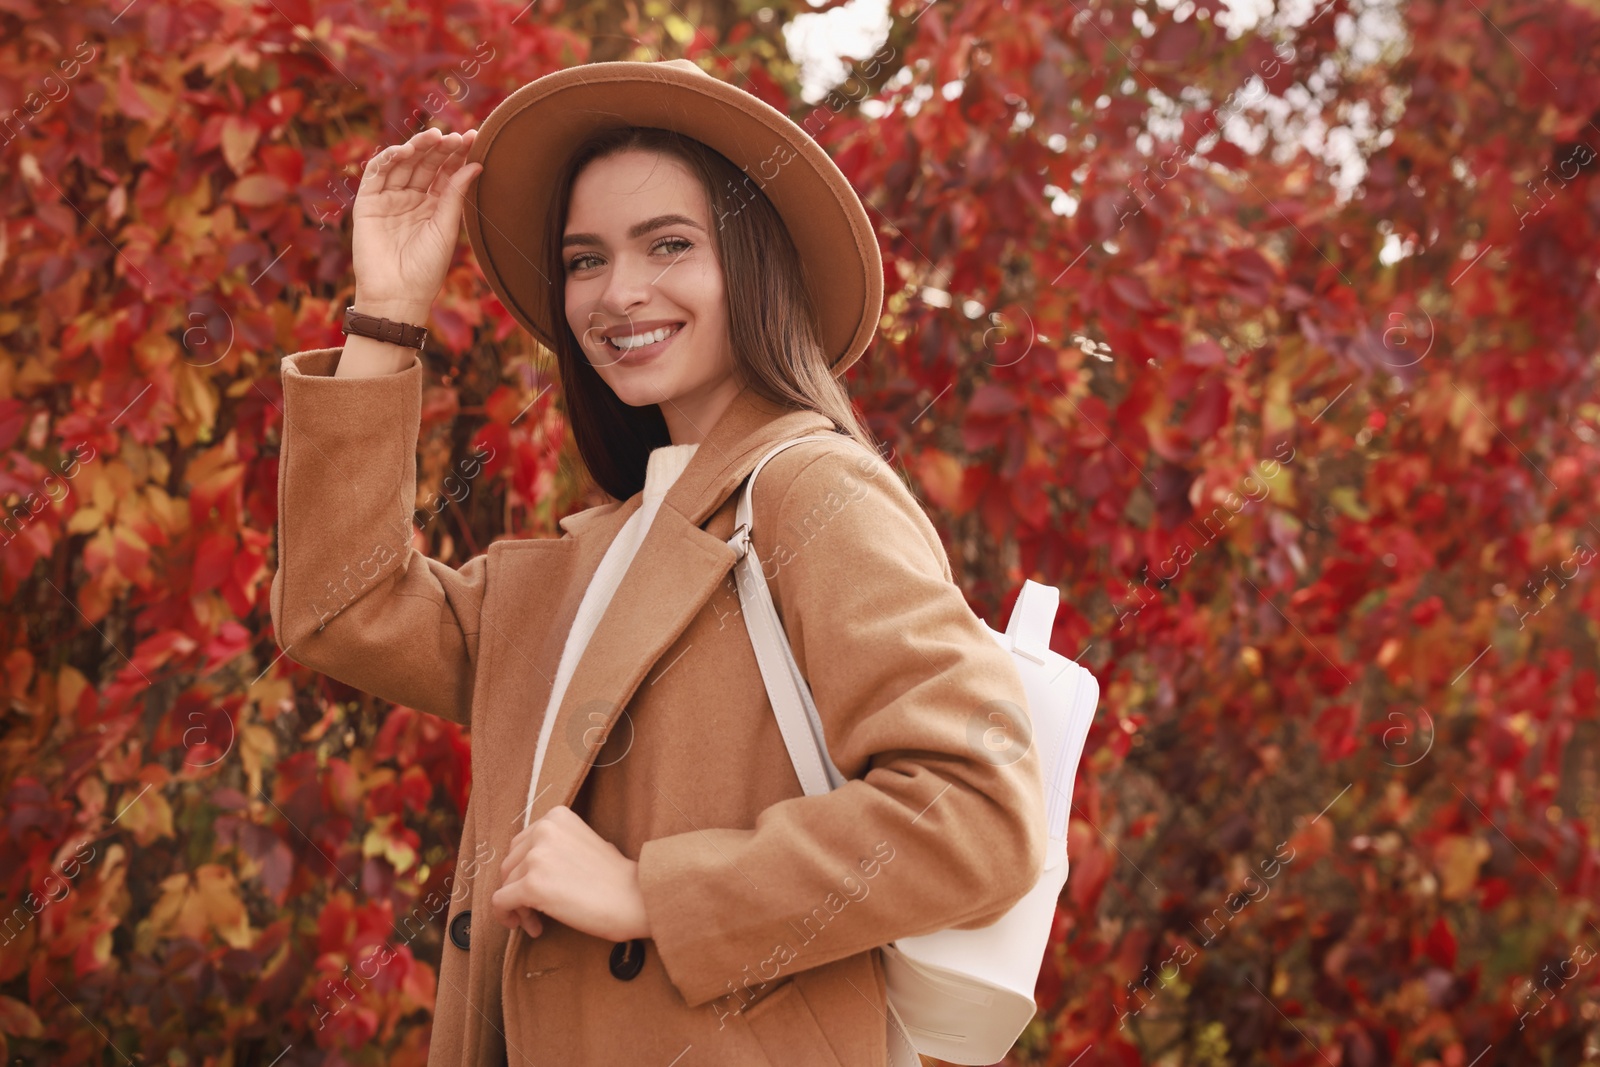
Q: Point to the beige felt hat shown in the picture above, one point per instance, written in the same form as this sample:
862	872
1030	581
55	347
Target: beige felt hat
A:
530	134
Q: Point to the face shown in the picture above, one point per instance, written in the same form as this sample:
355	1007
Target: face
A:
639	262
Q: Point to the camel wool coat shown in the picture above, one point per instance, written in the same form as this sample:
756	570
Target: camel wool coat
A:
766	906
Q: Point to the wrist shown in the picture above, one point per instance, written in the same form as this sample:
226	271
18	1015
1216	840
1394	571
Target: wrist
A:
411	311
641	916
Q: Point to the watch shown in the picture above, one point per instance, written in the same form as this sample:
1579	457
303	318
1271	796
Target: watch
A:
396	333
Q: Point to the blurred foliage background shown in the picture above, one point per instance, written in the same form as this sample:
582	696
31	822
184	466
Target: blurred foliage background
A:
1268	333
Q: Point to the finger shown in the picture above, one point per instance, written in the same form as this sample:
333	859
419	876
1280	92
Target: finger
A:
455	195
530	922
425	160
448	155
452	159
512	861
430	162
408	156
376	173
514	855
505	902
383	165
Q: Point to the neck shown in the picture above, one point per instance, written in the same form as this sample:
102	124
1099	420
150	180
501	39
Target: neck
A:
689	417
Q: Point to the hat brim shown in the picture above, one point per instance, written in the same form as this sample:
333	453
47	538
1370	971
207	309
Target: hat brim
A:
529	136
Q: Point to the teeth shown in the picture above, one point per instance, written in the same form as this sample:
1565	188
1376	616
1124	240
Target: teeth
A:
639	340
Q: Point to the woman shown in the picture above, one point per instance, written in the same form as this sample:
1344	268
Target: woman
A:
641	879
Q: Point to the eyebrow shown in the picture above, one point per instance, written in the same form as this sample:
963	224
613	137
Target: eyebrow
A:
635	231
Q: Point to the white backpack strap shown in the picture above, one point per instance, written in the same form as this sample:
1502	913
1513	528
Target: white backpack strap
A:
792	705
902	1052
1032	618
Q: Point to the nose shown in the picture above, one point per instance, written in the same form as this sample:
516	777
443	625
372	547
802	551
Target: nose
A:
628	283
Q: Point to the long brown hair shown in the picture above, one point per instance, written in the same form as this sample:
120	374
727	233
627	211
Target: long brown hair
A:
772	324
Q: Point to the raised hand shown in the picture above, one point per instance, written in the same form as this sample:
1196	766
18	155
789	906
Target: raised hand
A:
406	216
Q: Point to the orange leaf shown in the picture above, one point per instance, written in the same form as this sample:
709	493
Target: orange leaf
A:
1311	842
239	136
218	896
258	190
18	1019
940	475
190	904
148	818
1457	859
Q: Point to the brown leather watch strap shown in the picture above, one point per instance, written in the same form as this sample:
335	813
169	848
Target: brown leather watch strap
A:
396	333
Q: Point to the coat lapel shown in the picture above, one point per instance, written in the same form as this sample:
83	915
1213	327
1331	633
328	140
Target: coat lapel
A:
678	567
530	573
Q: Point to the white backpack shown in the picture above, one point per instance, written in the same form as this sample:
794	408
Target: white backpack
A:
964	996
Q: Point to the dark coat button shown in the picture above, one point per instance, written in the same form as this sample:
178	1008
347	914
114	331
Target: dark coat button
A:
461	931
627	959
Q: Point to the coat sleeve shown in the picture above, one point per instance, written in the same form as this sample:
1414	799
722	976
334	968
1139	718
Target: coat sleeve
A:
938	825
351	597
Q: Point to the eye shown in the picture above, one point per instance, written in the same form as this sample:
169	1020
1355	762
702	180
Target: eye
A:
579	262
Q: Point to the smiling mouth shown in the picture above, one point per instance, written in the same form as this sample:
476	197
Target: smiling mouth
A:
612	343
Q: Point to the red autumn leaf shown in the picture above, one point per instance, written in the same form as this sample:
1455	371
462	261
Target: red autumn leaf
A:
131	97
1207	410
1227	154
1441	944
13	417
1132	292
1158	341
213	557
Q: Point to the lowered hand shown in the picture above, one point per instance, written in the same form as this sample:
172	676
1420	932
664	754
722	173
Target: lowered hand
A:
560	867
